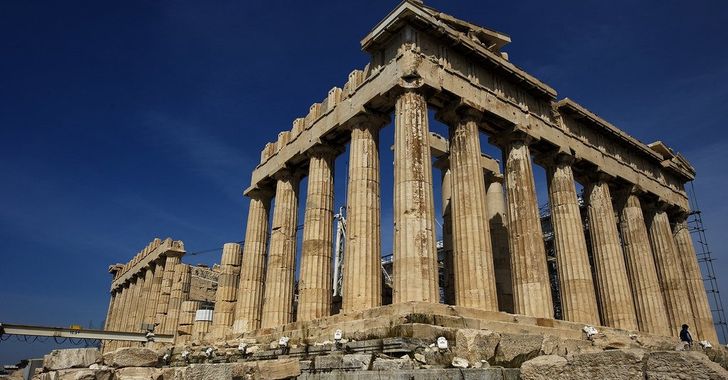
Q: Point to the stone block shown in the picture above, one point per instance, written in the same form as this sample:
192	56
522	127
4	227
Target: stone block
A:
476	345
71	358
389	364
513	349
138	373
357	361
132	357
328	362
682	365
209	371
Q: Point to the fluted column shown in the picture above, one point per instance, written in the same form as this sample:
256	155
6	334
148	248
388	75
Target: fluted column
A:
227	289
578	299
279	282
648	300
315	281
120	321
613	289
150	313
362	280
669	270
250	289
144	298
472	249
694	280
180	292
531	285
137	285
447	245
497	219
415	253
170	263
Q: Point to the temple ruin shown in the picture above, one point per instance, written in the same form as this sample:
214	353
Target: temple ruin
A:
624	260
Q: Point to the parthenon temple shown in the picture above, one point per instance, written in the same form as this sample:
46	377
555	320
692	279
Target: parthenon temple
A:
622	255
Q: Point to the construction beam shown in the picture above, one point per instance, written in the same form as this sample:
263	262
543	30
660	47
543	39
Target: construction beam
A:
63	332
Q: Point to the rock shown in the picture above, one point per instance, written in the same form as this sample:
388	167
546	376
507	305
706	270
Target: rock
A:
71	358
420	358
682	365
613	364
138	373
132	357
718	354
609	340
253	349
387	364
220	371
278	369
357	361
476	345
546	367
513	350
328	362
458	362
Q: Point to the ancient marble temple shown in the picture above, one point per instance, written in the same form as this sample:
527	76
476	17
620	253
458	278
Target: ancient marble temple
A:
624	255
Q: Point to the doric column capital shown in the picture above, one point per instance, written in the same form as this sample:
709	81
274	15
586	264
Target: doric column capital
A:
457	112
515	135
263	194
323	150
288	174
368	120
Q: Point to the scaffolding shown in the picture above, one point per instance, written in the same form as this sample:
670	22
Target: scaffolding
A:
705	259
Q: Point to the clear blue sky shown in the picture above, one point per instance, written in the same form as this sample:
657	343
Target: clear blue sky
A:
124	121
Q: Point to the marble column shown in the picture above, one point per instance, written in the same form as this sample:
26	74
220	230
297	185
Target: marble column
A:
279	282
497	219
180	292
531	285
472	249
702	315
137	285
144	299
315	280
170	263
669	270
613	289
227	289
578	299
415	253
150	313
120	321
648	300
447	245
362	278
250	289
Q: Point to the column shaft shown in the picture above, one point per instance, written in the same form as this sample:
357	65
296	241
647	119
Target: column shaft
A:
531	285
415	253
472	249
180	292
578	299
648	300
499	239
447	243
278	304
227	289
170	264
144	298
613	289
695	287
250	289
150	313
669	272
315	283
362	279
137	285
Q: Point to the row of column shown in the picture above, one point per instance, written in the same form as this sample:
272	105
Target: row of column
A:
636	287
151	297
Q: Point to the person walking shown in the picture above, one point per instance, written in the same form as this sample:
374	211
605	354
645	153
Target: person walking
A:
686	337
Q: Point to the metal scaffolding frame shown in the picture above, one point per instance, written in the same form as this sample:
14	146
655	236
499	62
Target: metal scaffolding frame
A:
706	259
